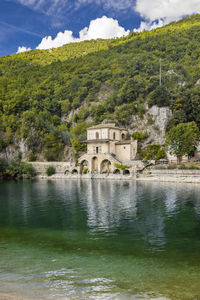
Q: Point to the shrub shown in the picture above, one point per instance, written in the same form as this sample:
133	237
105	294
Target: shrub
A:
28	171
150	119
50	171
32	157
140	136
85	171
160	154
188	167
122	167
172	166
19	170
182	167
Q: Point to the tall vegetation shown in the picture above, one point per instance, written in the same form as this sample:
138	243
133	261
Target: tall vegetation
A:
94	80
183	139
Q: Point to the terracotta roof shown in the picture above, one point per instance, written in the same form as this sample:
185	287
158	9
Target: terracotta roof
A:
110	125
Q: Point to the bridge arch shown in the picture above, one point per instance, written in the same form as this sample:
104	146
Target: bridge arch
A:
126	172
74	172
116	172
67	172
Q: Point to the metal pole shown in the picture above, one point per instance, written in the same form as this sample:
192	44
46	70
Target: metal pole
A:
160	73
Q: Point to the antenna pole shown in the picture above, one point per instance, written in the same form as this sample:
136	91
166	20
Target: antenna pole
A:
160	72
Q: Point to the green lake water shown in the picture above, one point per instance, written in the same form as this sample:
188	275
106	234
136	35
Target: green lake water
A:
68	239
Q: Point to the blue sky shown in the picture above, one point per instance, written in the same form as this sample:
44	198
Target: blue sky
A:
27	22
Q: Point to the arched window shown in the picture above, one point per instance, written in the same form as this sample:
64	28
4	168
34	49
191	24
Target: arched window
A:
114	136
97	135
123	136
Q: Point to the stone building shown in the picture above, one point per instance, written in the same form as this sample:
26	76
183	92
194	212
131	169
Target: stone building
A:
107	145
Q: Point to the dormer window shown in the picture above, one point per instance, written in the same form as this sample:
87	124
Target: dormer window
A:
97	135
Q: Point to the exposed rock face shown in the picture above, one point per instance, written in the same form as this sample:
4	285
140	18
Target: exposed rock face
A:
9	152
157	128
68	154
23	149
13	151
198	82
161	117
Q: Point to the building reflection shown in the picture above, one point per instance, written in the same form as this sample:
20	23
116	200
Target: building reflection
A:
108	203
141	211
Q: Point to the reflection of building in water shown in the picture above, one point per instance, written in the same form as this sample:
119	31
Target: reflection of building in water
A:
108	203
152	213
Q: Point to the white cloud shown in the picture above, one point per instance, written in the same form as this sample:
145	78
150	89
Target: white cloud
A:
48	7
23	49
105	28
149	26
60	7
158	13
61	39
108	4
168	10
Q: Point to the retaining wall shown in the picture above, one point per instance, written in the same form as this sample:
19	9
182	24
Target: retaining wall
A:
167	175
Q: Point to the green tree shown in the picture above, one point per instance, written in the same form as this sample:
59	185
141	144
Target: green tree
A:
183	139
53	145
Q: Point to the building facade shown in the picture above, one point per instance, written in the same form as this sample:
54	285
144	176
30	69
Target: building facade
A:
107	146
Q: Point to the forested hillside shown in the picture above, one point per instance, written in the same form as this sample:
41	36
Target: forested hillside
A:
46	95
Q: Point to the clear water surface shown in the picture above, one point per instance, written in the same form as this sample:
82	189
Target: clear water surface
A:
68	239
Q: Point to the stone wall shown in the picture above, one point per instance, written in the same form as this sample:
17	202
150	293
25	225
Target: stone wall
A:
187	176
60	167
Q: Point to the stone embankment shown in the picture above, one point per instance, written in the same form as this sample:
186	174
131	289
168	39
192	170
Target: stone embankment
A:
70	171
174	175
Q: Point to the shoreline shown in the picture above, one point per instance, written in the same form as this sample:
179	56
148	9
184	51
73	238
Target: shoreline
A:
63	171
173	178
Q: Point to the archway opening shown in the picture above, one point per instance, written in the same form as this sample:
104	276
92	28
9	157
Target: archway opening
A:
126	172
84	167
95	165
116	171
74	172
105	166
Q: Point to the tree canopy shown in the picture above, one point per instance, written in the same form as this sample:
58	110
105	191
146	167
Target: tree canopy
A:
183	139
53	90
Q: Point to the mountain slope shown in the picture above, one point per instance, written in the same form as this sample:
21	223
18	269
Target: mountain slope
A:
44	93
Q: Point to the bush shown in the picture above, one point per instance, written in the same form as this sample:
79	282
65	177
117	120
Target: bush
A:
85	171
140	136
172	166
32	157
122	167
188	167
19	170
50	171
182	167
150	119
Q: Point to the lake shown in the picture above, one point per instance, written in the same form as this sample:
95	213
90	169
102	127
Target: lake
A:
71	239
